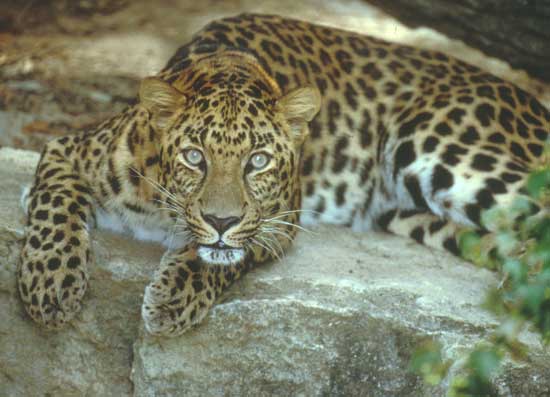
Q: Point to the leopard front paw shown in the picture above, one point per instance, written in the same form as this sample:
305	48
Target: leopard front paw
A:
168	314
51	298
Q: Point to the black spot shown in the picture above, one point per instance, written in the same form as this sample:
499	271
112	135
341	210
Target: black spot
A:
418	234
197	286
372	71
252	109
307	166
482	162
485	198
150	161
385	219
456	115
340	159
505	118
437	226
514	166
511	178
194	265
54	264
59	219
73	207
497	137
473	211
485	113
430	144
443	129
404	155
45	232
485	91
59	235
34	242
451	154
41	215
496	185
506	95
469	137
340	194
366	135
57	201
182	273
114	182
450	245
466	99
404	214
441	179
179	282
535	149
518	151
541	134
351	96
133	176
68	281
48	284
344	59
45	198
282	80
73	262
410	126
529	119
413	186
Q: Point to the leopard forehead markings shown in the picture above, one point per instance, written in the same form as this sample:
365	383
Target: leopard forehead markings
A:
352	130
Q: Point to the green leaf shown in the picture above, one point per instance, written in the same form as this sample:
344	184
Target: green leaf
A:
538	182
470	245
485	363
428	362
516	270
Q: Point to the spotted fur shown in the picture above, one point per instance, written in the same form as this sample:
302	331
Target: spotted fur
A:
348	129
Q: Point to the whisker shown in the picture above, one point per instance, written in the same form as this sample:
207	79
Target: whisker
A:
280	232
271	242
290	224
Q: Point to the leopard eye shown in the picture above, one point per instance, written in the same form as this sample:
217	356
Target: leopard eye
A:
193	156
259	161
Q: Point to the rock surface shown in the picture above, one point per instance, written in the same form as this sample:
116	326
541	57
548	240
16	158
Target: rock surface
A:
514	30
339	316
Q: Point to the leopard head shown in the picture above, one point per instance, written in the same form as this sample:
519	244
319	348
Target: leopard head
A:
230	154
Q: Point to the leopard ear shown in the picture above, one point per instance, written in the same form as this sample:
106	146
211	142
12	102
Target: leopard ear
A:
300	107
160	99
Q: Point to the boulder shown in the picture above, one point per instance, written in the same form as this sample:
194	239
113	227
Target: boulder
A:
340	315
516	31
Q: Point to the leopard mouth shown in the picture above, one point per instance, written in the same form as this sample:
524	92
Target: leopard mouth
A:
220	254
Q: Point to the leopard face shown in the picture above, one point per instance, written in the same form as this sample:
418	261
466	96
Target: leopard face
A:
230	152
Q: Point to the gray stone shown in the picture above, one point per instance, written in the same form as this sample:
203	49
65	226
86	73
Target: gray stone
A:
516	31
339	316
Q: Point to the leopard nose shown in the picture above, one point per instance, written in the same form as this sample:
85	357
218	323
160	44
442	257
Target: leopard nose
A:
221	224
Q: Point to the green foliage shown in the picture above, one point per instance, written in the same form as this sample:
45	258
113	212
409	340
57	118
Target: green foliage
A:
519	248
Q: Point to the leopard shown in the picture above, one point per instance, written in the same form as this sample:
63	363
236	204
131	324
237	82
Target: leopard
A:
259	126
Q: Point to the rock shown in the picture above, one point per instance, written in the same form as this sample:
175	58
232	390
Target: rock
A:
339	316
516	31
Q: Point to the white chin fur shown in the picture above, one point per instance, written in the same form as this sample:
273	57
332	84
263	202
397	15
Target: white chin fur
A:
215	256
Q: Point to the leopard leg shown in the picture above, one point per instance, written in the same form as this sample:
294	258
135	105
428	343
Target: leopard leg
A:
424	227
52	274
183	290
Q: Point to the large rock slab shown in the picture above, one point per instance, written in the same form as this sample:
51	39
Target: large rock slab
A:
516	31
339	316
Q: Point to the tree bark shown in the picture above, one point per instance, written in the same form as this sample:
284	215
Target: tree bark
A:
517	31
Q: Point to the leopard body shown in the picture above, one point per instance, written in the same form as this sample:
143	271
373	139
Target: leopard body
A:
261	120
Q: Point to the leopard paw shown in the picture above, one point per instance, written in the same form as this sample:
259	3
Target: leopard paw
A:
51	298
171	315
